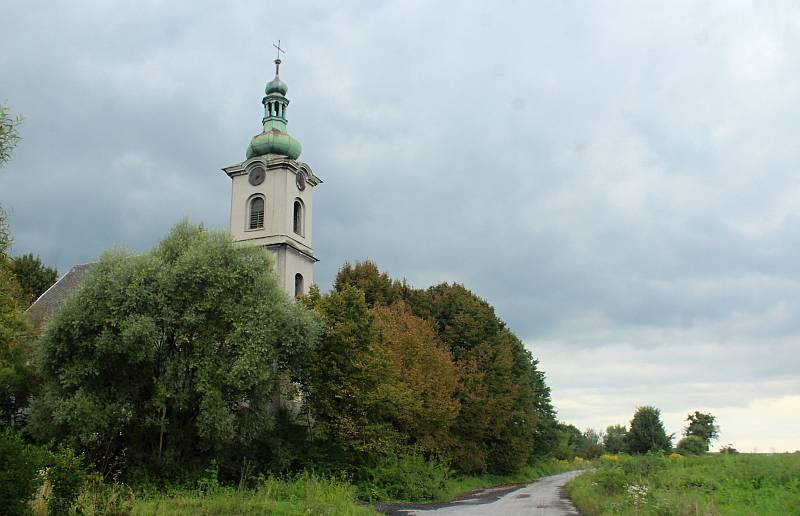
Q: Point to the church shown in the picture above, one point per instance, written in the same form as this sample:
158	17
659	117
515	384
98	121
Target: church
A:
271	206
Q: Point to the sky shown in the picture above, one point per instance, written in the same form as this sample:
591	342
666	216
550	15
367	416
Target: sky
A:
619	179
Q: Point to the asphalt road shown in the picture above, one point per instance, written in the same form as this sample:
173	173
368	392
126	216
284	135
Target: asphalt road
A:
544	497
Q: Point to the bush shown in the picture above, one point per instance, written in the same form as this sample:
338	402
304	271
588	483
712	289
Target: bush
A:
692	445
19	477
101	499
66	477
409	477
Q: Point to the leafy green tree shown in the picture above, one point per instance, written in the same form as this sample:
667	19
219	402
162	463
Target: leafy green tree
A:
9	137
569	441
17	375
614	438
545	438
647	432
377	286
702	426
345	379
33	277
692	445
422	380
170	358
591	444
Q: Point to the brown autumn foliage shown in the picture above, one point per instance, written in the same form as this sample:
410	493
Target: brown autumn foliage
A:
424	380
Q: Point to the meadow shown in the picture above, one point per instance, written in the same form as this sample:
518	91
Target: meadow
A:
712	484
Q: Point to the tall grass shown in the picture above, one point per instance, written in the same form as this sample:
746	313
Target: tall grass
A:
304	494
742	484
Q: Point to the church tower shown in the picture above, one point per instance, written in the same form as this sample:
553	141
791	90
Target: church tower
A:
271	194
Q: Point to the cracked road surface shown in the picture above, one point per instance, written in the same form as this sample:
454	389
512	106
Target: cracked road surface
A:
545	497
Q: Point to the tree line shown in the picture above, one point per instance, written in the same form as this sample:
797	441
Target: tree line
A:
189	354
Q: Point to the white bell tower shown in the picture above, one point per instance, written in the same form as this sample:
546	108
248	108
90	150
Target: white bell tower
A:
271	194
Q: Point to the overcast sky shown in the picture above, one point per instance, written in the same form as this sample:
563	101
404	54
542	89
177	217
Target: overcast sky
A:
619	179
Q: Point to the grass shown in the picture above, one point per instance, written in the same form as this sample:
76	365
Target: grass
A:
306	494
741	484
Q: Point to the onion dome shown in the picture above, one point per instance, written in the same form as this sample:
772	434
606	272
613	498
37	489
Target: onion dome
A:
276	85
274	139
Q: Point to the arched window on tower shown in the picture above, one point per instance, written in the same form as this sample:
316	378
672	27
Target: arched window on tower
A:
298	285
256	215
298	217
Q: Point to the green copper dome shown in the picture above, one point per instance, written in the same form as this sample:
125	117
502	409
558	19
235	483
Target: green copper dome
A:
274	142
276	85
274	139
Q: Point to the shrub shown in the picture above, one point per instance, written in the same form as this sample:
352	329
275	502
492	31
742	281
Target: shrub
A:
611	480
105	499
66	477
408	477
692	445
19	467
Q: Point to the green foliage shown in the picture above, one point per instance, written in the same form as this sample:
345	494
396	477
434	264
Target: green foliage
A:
591	444
647	432
694	485
404	478
17	375
9	137
306	493
614	439
692	445
170	358
421	382
378	287
33	277
728	449
568	443
19	472
100	498
66	476
344	378
702	426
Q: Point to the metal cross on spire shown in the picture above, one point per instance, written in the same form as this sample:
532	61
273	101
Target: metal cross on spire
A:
278	59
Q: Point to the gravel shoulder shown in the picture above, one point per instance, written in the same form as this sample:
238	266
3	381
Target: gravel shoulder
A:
545	497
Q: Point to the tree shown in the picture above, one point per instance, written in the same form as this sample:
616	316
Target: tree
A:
170	358
614	439
692	445
9	137
33	277
647	432
702	426
569	440
422	379
345	377
377	286
591	445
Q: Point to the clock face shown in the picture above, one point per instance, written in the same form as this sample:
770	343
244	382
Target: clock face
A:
300	179
256	176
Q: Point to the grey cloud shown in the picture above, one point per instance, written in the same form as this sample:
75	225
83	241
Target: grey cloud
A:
600	173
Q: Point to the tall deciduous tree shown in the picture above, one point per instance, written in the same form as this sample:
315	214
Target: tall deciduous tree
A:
33	277
614	439
172	356
377	286
422	380
647	432
17	375
345	376
702	425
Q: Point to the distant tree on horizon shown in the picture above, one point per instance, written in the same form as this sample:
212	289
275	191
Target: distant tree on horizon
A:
702	425
614	439
647	432
33	276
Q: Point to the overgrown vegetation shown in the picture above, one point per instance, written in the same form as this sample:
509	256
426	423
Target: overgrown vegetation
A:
736	484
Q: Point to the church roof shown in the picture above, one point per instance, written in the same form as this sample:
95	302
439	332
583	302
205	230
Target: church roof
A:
54	298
